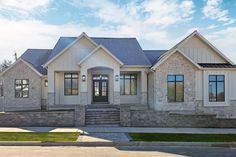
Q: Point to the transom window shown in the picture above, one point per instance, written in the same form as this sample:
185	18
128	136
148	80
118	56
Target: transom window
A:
128	84
71	84
175	88
216	88
22	88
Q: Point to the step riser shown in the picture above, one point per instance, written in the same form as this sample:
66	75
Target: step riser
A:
102	115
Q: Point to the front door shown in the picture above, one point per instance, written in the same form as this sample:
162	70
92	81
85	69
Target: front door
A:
100	88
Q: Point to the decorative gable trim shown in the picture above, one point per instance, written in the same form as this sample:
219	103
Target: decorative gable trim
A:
164	58
66	48
95	50
21	60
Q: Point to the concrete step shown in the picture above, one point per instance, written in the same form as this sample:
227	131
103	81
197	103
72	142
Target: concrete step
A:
105	114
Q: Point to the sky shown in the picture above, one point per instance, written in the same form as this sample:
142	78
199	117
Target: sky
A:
157	24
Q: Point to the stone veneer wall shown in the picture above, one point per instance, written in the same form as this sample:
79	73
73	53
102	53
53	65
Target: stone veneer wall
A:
21	71
70	118
175	64
151	118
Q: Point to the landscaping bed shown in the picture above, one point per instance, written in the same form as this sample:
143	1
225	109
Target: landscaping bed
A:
173	137
40	136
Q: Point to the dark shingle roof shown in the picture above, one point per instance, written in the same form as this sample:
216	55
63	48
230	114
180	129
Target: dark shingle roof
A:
127	50
217	65
62	43
154	55
37	57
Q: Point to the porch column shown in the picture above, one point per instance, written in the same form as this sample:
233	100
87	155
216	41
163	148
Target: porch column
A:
51	88
84	87
116	95
143	87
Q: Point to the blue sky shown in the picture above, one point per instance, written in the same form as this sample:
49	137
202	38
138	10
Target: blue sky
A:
157	24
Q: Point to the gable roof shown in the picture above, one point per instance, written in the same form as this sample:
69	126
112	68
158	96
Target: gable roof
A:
126	50
154	55
37	57
166	56
103	48
177	46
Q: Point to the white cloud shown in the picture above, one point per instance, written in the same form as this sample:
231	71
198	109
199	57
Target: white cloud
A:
225	41
23	7
212	26
213	10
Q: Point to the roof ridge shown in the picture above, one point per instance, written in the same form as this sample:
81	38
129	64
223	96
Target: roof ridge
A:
115	37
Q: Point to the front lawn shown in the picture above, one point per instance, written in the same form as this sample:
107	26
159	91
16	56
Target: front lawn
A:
39	136
149	137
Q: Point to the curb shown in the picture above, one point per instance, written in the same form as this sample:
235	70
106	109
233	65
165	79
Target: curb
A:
117	144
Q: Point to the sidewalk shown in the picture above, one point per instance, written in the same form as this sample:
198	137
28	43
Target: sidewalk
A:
109	129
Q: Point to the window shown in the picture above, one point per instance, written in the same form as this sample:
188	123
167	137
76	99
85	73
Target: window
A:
71	84
175	88
216	88
22	88
1	89
128	84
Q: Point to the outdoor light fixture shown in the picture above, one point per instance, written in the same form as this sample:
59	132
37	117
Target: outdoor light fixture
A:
83	78
117	77
46	83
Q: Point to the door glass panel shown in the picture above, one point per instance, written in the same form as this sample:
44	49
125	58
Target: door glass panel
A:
96	88
104	88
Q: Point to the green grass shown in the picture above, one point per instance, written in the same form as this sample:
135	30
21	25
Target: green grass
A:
39	136
149	137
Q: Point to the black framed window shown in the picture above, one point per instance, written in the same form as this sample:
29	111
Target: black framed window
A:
71	84
21	88
128	84
1	89
175	88
216	88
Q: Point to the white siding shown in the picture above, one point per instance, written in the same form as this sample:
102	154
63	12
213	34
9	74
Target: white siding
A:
68	61
200	52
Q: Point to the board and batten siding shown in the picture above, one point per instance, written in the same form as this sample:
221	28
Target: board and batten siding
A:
200	52
68	61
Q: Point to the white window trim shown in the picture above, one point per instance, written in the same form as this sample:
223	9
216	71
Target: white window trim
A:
206	89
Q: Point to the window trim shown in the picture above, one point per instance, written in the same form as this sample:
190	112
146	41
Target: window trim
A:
136	84
1	90
216	75
175	87
22	88
71	86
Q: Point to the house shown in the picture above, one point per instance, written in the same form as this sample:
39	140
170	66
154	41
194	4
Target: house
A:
191	77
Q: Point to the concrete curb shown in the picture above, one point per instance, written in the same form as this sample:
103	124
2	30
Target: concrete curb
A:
117	144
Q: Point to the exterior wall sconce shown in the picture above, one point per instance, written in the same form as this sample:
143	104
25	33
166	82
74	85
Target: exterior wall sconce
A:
45	83
83	78
117	78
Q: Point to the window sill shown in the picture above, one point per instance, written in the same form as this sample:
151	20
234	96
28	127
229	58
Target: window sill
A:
216	104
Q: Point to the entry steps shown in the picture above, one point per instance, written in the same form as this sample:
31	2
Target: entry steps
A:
102	115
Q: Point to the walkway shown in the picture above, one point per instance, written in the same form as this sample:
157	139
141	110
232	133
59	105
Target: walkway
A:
109	129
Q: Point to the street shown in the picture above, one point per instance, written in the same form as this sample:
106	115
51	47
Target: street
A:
36	151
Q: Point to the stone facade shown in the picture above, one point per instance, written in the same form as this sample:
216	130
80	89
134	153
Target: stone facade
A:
21	71
143	98
175	64
151	118
80	115
24	119
116	98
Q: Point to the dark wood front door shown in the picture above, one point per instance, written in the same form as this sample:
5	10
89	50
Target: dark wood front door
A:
100	88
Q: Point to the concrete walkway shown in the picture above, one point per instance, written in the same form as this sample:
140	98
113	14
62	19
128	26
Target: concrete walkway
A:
104	129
